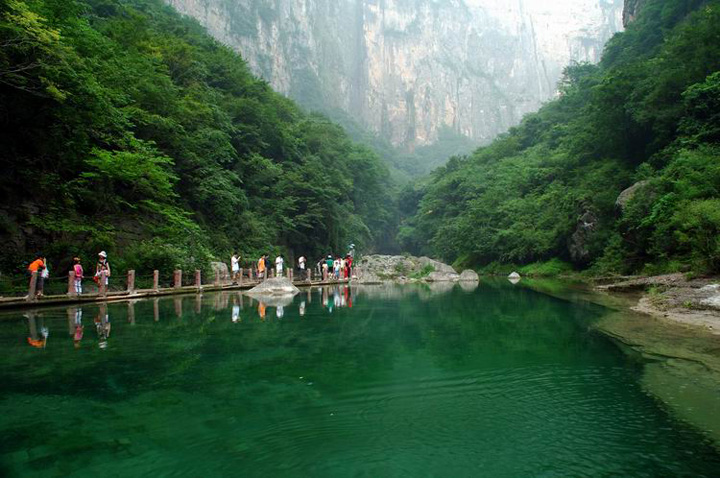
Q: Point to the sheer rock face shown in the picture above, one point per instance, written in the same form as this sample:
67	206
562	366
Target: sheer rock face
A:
406	69
630	11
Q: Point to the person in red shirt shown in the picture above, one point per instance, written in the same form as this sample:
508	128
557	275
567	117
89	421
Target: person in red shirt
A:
78	269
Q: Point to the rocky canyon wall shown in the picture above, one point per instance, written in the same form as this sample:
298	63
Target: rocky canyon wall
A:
405	69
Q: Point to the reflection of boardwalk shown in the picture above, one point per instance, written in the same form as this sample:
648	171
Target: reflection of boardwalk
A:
18	302
90	324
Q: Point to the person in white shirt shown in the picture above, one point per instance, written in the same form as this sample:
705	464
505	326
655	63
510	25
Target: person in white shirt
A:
279	266
336	268
235	266
301	263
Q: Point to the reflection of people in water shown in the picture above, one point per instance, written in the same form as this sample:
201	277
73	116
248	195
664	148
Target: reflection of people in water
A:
347	298
103	327
302	308
235	313
38	332
325	299
337	300
79	329
261	310
280	311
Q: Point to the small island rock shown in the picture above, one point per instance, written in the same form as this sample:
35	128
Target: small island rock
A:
469	275
277	286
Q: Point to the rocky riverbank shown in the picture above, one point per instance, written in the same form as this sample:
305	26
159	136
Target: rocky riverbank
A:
674	297
378	269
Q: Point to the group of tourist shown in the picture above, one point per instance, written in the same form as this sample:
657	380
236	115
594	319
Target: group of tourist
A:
336	268
42	269
329	267
263	265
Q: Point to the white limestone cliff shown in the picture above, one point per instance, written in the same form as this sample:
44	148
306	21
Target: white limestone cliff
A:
407	68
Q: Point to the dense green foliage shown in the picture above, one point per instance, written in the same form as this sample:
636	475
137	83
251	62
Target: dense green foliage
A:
126	127
548	188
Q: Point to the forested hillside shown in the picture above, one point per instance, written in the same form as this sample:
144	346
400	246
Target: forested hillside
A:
127	128
648	115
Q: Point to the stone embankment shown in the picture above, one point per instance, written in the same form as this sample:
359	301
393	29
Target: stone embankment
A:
377	269
677	298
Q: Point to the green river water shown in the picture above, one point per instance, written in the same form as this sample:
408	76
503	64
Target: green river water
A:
398	381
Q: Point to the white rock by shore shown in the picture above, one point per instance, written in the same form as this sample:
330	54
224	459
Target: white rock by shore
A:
376	269
278	286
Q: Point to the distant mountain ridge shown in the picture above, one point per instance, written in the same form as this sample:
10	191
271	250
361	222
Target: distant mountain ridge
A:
409	69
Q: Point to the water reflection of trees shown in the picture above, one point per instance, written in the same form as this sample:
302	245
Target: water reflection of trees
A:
163	342
327	341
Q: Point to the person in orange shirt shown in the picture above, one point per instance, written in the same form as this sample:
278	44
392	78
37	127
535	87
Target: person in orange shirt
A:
38	265
38	335
261	267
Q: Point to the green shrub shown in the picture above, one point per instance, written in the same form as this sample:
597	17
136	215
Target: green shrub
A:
551	268
424	272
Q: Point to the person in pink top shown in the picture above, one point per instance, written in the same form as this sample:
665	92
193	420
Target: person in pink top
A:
78	275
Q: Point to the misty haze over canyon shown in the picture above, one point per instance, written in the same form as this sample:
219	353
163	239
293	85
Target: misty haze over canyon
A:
410	71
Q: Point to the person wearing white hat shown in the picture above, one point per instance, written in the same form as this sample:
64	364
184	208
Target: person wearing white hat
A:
102	265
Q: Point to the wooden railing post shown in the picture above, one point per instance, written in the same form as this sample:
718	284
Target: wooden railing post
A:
198	279
290	274
131	282
71	284
32	288
156	280
103	284
272	273
217	277
251	274
309	275
240	281
177	283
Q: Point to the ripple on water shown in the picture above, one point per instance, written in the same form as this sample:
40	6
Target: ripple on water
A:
559	418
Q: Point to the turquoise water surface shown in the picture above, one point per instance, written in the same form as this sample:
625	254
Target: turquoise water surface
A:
397	381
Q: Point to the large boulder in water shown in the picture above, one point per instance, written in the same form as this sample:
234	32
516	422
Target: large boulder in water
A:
443	277
279	286
380	268
469	275
426	262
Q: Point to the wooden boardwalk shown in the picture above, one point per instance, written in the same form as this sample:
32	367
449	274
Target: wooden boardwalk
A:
65	299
